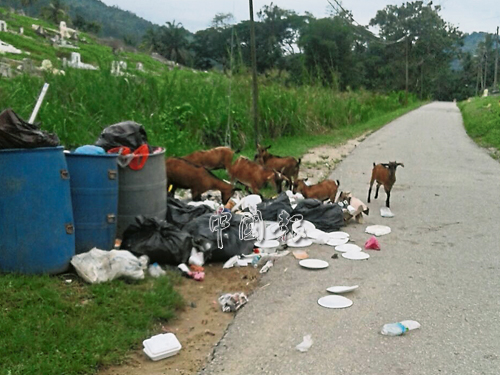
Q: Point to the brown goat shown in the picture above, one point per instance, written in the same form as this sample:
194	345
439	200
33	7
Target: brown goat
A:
216	158
324	190
186	175
254	175
287	165
384	174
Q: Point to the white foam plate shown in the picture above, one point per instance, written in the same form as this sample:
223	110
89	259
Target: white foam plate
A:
348	247
338	235
378	230
356	255
337	241
301	242
335	302
342	289
315	234
315	264
273	231
307	226
267	244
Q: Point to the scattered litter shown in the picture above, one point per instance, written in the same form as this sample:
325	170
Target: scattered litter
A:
156	271
305	345
372	244
335	302
335	256
338	234
341	289
161	346
313	263
337	241
197	258
386	212
196	268
231	262
97	266
300	254
267	245
207	332
273	232
265	286
349	247
232	302
196	275
355	255
397	329
301	242
378	230
267	266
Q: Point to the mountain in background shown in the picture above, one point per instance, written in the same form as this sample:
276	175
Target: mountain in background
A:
471	41
116	23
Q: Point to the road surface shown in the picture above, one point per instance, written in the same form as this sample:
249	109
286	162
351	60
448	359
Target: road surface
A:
439	266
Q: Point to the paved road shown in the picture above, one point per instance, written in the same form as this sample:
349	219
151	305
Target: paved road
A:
439	266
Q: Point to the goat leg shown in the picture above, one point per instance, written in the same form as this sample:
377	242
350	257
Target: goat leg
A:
370	190
376	191
388	192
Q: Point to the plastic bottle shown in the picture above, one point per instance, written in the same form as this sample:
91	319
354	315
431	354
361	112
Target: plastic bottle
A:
397	329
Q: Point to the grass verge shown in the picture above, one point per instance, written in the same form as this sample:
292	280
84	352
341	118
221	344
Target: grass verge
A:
50	326
482	121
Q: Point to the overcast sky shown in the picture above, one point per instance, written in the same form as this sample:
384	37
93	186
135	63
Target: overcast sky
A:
468	15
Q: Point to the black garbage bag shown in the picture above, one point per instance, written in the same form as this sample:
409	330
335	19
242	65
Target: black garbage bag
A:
180	213
199	228
128	133
271	208
326	217
17	133
162	242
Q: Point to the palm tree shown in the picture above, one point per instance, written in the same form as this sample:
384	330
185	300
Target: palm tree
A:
174	42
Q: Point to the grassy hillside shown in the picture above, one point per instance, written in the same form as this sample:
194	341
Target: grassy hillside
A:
116	23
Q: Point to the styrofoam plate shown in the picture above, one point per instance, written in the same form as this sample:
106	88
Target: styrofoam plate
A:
334	302
356	255
341	289
301	242
273	231
267	244
348	247
313	263
337	241
378	230
315	234
307	226
338	234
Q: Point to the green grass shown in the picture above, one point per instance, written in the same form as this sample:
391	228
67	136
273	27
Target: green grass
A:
51	327
482	120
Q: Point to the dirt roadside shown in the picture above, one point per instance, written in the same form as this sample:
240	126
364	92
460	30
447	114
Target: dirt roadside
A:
201	325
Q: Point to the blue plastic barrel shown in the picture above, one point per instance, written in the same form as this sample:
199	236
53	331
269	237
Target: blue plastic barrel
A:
36	218
94	194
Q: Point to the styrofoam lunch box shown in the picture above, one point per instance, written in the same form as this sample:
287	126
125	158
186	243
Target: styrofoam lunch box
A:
161	346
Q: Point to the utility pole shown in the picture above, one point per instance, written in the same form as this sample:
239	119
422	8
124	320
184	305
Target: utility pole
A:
495	82
406	84
254	77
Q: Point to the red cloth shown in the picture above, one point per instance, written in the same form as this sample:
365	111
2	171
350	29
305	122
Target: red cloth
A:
372	244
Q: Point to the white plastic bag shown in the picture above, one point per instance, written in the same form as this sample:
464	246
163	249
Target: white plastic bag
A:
97	266
305	345
156	271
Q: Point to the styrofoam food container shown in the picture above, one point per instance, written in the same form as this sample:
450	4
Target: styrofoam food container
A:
161	346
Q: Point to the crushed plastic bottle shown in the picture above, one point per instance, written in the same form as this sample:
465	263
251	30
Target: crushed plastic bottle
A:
397	329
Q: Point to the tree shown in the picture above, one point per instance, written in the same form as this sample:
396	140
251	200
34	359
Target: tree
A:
173	42
28	2
55	12
328	45
415	37
80	23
